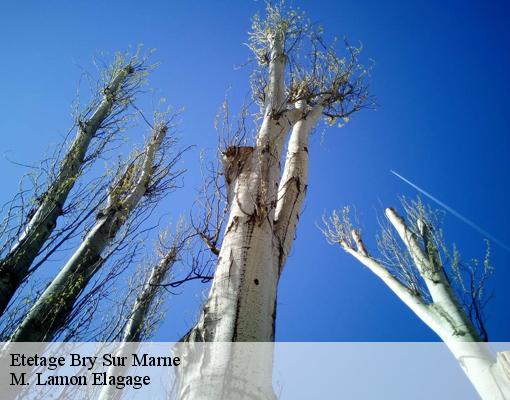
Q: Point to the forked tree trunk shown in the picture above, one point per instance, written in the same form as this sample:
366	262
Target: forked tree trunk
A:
452	323
15	266
264	208
444	315
264	204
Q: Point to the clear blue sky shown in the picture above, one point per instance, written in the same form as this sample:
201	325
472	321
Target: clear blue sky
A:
442	83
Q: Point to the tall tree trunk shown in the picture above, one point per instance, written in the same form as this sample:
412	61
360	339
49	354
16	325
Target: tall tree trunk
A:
264	205
243	293
444	314
294	183
53	307
135	323
142	306
15	266
242	300
241	307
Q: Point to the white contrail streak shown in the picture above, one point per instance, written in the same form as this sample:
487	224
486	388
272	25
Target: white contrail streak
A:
455	213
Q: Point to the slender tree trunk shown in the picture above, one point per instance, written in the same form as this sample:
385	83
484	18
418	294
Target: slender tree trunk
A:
294	183
15	266
53	307
444	300
135	323
444	315
141	308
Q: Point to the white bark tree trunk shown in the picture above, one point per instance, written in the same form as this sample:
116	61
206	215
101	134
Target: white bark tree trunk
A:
264	205
243	292
445	316
294	183
142	305
135	323
241	303
487	375
14	267
52	308
443	297
264	210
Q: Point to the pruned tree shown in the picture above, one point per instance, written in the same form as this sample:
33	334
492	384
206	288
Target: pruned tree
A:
141	181
297	80
251	208
29	223
445	293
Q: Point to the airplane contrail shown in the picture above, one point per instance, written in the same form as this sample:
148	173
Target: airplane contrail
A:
455	213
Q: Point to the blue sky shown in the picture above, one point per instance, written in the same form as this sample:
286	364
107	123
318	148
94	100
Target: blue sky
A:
441	82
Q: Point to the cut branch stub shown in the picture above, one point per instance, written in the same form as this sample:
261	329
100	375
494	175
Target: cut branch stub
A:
233	159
